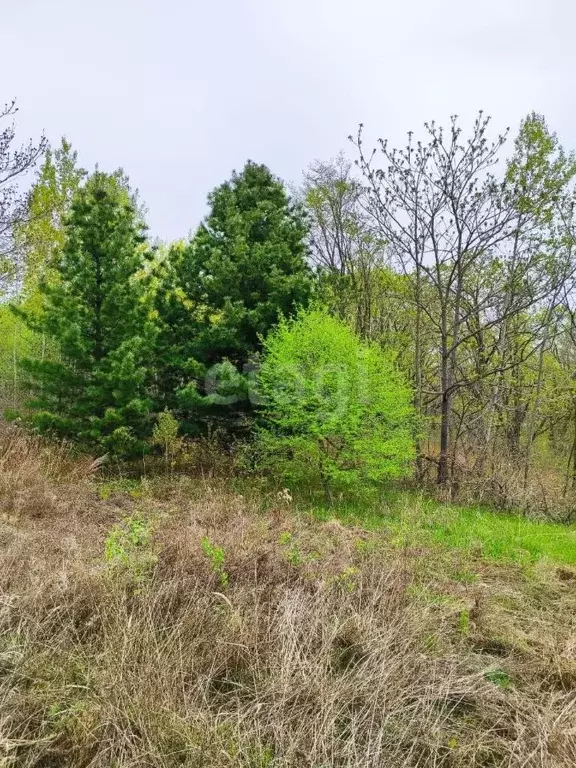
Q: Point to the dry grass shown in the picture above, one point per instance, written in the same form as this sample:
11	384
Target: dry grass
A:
322	646
498	480
32	474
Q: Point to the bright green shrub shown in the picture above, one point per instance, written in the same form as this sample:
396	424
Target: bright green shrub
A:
165	436
335	410
129	551
216	557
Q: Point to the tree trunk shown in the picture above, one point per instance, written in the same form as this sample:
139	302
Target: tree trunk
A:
574	451
418	372
443	466
534	415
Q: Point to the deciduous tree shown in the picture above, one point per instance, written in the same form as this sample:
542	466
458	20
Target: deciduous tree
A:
336	411
15	163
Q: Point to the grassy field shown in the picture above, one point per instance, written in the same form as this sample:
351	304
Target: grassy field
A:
179	622
414	520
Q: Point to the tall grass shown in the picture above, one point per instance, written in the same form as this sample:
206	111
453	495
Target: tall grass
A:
326	644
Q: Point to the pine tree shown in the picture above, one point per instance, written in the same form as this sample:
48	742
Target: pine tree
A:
99	314
222	292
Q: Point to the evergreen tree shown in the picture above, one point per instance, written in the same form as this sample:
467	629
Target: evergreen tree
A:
97	310
222	292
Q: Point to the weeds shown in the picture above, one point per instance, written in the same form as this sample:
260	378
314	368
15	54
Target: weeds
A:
128	549
499	678
216	557
293	553
464	623
373	655
165	436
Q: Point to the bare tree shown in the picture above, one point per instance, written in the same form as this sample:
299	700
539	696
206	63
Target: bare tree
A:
455	229
15	162
342	245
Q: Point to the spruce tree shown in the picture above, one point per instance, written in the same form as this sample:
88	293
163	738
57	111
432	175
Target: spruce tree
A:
222	292
97	311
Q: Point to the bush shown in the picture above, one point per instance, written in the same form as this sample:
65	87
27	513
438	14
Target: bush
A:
165	436
128	549
335	410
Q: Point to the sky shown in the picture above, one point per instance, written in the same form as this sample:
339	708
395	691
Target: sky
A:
181	92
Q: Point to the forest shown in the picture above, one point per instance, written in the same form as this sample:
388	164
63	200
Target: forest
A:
444	268
297	490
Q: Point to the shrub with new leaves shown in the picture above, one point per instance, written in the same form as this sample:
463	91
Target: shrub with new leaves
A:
165	436
335	410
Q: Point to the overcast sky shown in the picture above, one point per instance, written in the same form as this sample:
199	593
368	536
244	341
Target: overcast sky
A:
180	92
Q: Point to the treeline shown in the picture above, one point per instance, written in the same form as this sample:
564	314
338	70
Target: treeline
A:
451	258
136	329
457	253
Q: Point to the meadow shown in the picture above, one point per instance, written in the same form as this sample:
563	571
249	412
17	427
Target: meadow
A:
184	621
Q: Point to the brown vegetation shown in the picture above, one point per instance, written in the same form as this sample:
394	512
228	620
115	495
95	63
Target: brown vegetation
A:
303	644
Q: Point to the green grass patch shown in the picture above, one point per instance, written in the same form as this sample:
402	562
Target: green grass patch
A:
415	521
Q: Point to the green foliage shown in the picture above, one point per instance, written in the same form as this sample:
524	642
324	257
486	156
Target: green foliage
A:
538	173
42	234
39	237
293	554
347	580
334	410
133	488
473	531
216	557
98	312
218	294
18	342
128	549
351	259
285	538
165	436
107	331
499	677
464	622
465	576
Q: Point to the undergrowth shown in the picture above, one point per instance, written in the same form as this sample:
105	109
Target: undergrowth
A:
178	622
